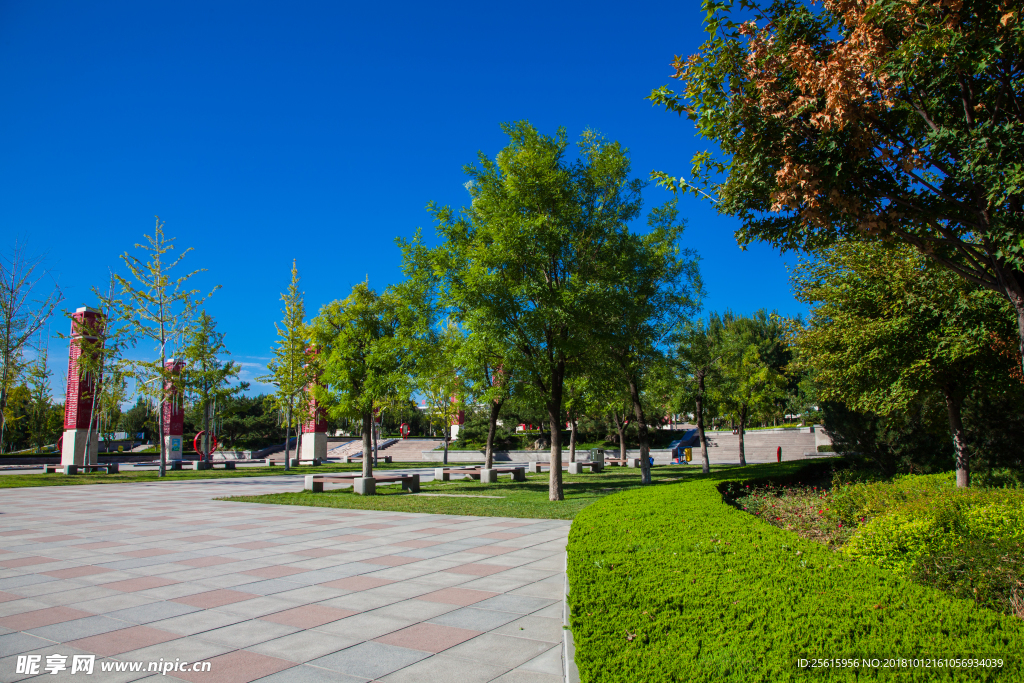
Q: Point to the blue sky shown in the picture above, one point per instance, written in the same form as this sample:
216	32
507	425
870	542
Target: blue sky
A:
262	132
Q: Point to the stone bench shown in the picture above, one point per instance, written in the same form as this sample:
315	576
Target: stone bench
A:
359	458
578	466
486	476
295	462
623	462
210	464
112	468
360	484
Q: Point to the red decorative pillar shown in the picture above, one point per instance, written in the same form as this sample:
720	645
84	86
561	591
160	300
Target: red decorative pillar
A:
173	412
313	447
82	385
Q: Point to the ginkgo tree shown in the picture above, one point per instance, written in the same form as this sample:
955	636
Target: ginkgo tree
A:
207	376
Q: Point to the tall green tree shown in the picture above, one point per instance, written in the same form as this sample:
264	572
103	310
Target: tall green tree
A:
698	356
528	257
28	297
207	377
440	379
149	305
290	369
887	326
363	356
900	120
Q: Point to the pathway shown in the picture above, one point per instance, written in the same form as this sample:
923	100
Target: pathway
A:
280	594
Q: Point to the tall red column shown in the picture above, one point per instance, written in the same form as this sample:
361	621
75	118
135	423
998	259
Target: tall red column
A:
173	412
314	430
81	392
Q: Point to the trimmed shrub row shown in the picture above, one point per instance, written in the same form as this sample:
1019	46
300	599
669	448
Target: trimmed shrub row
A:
670	583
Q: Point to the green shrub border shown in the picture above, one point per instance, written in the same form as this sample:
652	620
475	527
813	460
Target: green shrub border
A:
672	583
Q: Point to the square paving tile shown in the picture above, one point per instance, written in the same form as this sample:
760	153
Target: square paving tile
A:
320	552
273	572
79	628
246	633
16	643
457	596
255	545
428	637
442	669
140	584
209	561
75	572
42	617
357	583
309	674
393	560
520	604
416	543
215	598
476	569
147	552
370	660
26	561
480	620
124	640
546	629
303	646
240	666
6	597
309	616
503	651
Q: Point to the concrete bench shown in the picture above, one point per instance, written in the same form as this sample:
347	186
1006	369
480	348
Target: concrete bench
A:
478	472
360	484
578	466
112	468
537	466
295	462
623	462
359	458
210	464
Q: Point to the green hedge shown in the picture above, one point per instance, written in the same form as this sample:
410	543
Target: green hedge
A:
673	584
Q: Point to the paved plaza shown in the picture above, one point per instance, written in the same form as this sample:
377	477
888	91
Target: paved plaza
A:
274	593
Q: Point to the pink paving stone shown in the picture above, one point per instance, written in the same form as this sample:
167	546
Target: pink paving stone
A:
490	550
17	532
42	617
217	598
55	539
415	544
309	616
243	527
502	536
240	666
155	532
148	552
393	560
373	526
255	545
356	583
7	597
428	637
26	561
204	538
75	572
457	596
319	552
476	569
434	531
354	538
100	545
274	572
294	532
205	561
142	583
125	640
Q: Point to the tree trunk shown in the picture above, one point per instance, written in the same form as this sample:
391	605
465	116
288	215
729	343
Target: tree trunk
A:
554	420
367	444
743	429
641	427
492	426
206	432
572	437
956	428
705	462
287	437
447	433
620	427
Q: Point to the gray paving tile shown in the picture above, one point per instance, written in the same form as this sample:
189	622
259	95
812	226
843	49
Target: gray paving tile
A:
517	604
303	646
474	619
310	674
504	651
14	643
441	669
79	628
535	628
246	633
524	676
370	660
15	582
548	663
156	611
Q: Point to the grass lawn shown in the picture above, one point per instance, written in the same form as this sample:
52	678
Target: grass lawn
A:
505	499
128	475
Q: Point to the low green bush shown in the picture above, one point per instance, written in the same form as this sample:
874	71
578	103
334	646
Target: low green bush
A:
671	583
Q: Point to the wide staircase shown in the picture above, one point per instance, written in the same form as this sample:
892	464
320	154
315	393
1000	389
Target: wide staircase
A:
762	445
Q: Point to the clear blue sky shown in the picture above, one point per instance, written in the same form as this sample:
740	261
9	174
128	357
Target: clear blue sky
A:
262	132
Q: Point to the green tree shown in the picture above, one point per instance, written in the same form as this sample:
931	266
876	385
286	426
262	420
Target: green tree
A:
150	306
527	259
440	379
886	326
899	120
362	358
25	306
290	370
698	357
207	377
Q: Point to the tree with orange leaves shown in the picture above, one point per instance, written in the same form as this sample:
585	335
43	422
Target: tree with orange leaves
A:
893	120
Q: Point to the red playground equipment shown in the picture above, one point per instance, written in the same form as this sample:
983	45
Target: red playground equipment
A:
213	445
